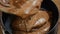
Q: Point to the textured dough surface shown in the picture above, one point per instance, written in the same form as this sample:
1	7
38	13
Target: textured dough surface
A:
26	6
29	23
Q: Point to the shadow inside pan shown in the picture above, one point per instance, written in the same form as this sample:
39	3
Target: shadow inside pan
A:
50	6
46	4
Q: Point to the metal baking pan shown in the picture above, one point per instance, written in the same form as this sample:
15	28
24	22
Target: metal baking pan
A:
46	4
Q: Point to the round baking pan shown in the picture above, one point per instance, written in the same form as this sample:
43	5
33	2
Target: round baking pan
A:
46	4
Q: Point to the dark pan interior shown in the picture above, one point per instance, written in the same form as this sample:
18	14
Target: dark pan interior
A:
46	4
50	6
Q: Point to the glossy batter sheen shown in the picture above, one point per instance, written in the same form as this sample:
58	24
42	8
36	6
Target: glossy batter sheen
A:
37	23
29	20
20	7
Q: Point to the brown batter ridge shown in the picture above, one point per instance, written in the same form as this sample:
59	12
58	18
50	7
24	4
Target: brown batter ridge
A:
25	9
30	22
42	30
40	15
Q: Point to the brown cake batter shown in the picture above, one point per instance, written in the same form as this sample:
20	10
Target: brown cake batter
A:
27	25
42	30
29	20
26	6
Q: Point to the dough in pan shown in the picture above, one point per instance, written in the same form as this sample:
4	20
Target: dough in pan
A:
26	7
